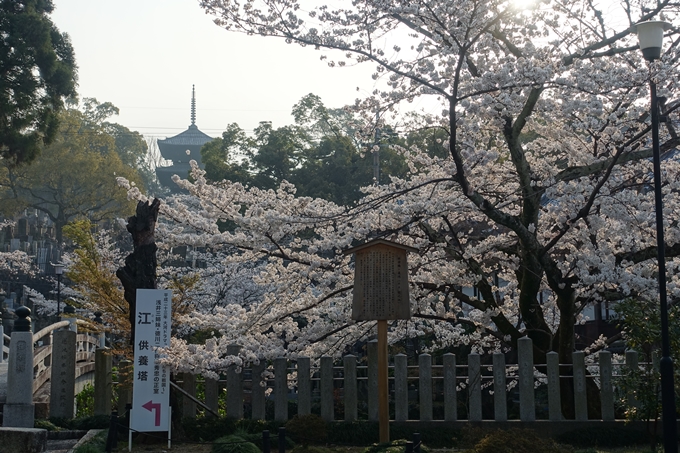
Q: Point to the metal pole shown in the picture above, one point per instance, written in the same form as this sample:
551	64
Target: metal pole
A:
666	366
58	295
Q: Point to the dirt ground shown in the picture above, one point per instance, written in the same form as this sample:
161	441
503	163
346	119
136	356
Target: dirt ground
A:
163	448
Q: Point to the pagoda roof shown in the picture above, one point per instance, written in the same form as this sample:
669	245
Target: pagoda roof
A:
190	137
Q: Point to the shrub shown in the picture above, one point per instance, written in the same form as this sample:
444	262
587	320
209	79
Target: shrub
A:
310	449
85	401
234	444
518	441
207	428
46	424
96	445
83	423
604	437
395	446
307	429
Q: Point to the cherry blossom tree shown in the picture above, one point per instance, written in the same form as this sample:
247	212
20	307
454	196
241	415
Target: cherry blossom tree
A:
542	205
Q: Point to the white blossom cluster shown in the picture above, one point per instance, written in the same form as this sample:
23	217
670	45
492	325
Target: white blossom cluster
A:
543	207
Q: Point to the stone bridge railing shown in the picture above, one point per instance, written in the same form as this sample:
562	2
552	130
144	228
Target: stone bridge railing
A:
446	391
85	347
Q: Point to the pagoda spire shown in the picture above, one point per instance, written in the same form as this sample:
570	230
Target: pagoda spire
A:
193	105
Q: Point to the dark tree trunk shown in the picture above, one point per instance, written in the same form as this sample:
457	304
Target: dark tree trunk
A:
139	271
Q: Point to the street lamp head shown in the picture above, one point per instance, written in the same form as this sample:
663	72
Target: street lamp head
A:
650	35
58	268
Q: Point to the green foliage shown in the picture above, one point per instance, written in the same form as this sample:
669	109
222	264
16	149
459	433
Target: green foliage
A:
603	437
307	429
73	178
234	444
518	441
88	448
38	72
220	156
82	423
46	424
310	449
395	446
96	445
365	432
319	155
206	429
85	402
640	322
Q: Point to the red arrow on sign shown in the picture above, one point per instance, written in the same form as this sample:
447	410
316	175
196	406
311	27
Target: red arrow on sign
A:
150	406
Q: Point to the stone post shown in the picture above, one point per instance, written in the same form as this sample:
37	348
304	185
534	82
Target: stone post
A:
400	387
103	382
63	374
425	387
607	396
631	365
189	386
525	357
554	398
2	344
474	387
350	387
500	401
125	371
19	410
212	394
304	386
580	397
450	390
234	386
373	380
258	391
326	389
280	389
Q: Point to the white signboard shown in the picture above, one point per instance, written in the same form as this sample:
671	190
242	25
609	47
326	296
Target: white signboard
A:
151	381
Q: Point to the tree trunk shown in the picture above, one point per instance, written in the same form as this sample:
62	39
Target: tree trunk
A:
139	271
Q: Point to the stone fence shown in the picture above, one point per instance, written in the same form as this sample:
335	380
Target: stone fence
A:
427	392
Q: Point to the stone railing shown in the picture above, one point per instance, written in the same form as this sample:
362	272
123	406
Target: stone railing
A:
86	345
4	345
427	391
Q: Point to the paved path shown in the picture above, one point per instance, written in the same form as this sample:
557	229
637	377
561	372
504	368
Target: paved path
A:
61	446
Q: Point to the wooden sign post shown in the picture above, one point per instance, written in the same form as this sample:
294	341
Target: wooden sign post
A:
381	294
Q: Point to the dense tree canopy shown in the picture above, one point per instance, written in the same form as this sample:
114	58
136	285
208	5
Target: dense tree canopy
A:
74	177
37	71
322	154
542	204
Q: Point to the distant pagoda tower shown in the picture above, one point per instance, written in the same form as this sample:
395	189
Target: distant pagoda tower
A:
175	149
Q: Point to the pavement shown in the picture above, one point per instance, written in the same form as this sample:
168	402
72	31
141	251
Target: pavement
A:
61	445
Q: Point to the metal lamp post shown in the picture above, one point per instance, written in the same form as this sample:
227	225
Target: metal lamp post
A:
58	270
650	35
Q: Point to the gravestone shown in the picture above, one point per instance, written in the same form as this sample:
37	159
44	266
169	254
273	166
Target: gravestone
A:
22	227
63	377
19	410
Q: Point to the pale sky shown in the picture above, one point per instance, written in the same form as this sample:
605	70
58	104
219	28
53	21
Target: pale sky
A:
145	55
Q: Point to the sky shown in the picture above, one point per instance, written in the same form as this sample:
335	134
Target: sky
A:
144	56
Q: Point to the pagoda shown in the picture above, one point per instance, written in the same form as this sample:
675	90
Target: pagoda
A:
180	149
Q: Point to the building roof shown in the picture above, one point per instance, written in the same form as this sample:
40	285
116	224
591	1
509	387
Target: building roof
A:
191	136
379	241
